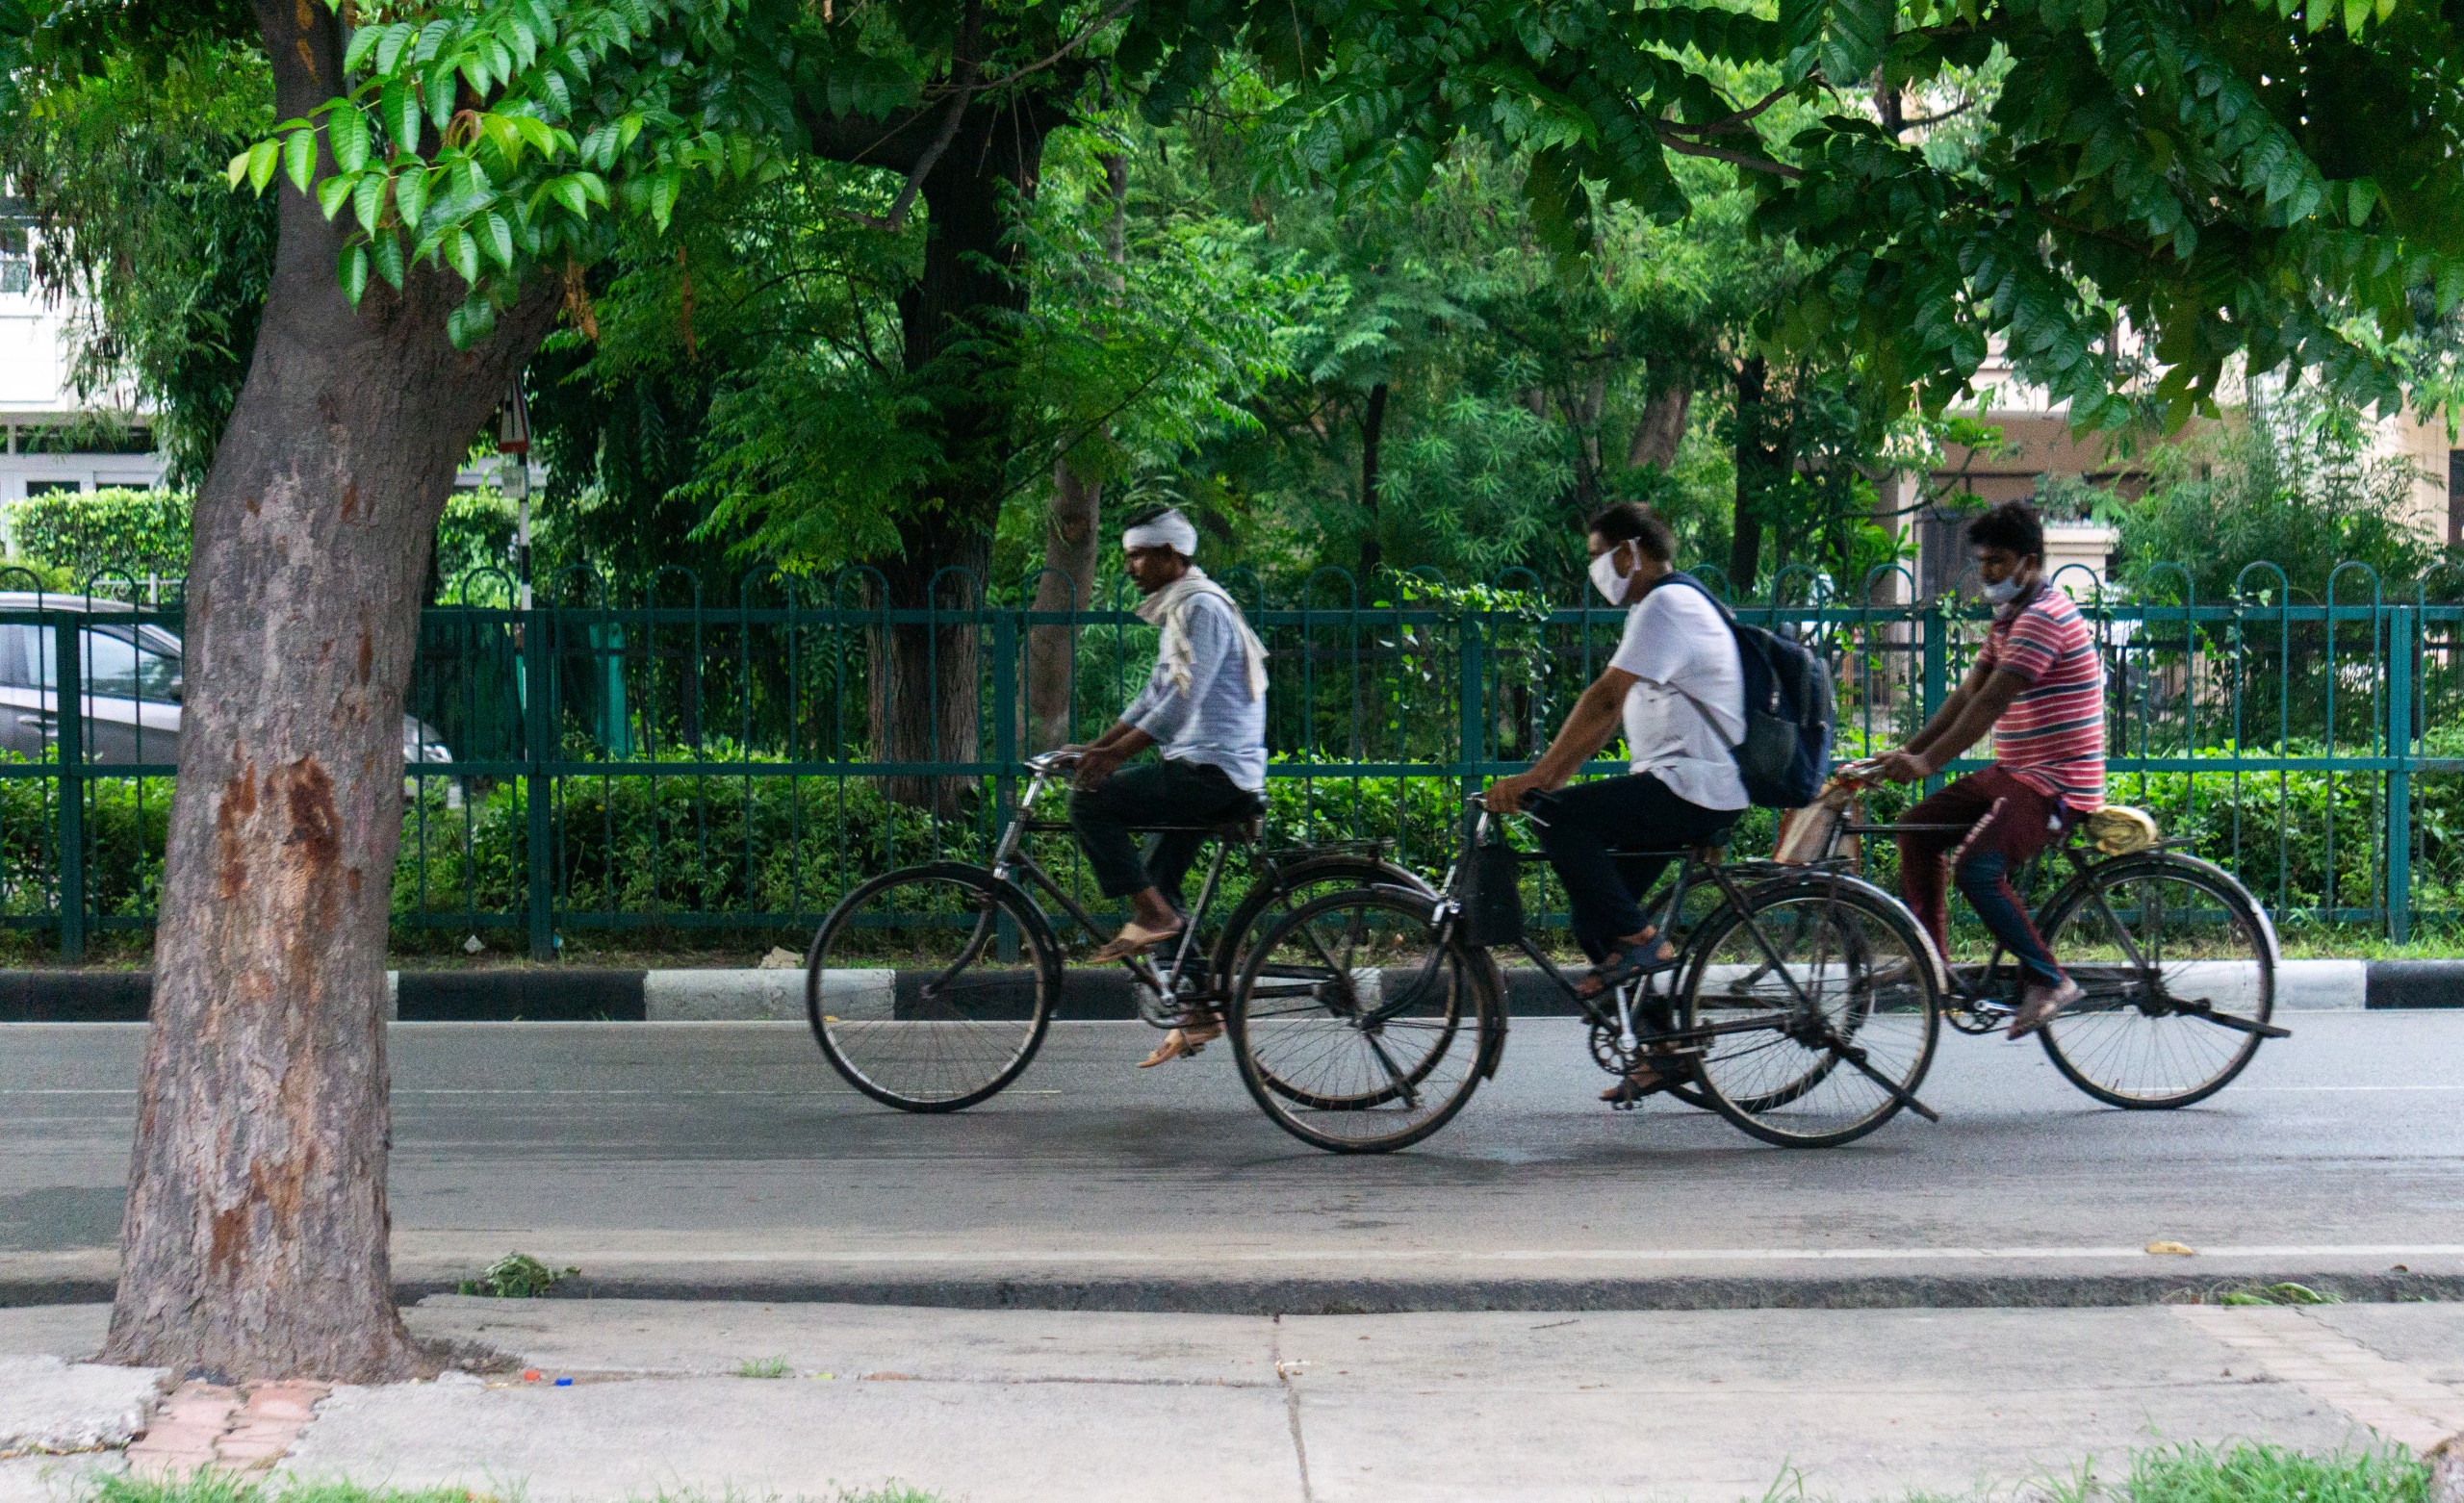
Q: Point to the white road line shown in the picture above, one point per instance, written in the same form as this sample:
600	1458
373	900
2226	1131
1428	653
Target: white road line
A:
1670	1254
2289	1088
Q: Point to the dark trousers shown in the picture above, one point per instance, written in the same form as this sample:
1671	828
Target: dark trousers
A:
1151	793
1587	819
2006	823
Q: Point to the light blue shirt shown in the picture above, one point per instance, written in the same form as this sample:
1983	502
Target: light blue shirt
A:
1214	722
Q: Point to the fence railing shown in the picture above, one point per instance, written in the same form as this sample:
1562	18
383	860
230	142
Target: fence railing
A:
652	759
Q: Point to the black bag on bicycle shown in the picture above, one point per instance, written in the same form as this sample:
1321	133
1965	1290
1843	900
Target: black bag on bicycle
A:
1491	894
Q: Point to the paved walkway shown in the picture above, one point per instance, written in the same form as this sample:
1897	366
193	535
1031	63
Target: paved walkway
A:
988	1406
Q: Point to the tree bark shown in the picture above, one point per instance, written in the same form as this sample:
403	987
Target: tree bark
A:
927	683
1745	539
1068	581
1661	430
254	1243
1373	440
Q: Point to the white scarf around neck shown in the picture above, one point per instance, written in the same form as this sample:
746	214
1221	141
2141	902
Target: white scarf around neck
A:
1170	608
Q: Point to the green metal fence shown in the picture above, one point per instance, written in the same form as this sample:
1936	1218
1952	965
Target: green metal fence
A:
652	758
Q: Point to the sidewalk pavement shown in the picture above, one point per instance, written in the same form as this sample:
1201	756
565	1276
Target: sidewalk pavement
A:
990	1406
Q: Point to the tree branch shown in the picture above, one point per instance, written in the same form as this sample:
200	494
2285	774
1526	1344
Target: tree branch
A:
1687	148
1728	124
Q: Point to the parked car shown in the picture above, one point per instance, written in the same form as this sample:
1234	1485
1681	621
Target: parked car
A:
130	670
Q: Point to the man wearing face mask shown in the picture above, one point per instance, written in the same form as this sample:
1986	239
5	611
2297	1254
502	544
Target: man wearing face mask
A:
2039	686
1675	685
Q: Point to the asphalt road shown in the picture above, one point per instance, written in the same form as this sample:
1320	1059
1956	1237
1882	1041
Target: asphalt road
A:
709	1158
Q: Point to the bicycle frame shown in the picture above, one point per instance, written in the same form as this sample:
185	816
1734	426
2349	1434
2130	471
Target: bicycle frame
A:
1010	864
1734	895
1979	998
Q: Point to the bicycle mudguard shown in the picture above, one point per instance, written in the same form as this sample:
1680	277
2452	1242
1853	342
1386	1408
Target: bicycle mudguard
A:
1375	872
2161	860
1047	938
1944	982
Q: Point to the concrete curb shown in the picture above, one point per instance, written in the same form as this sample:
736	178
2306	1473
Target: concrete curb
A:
1376	1296
560	995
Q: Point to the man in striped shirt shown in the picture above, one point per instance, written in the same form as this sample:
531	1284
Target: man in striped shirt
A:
2039	686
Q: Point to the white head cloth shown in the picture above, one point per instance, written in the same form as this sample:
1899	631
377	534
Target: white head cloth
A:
1170	531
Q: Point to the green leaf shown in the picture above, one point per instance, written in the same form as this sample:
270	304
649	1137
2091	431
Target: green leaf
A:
399	107
568	192
389	259
348	131
355	271
331	193
393	39
300	157
463	252
410	197
500	237
262	156
368	200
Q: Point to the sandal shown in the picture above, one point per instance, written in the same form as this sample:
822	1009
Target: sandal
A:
1644	1080
1183	1042
1628	963
1134	938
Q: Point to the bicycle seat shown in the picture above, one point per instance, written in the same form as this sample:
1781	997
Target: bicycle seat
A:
1239	823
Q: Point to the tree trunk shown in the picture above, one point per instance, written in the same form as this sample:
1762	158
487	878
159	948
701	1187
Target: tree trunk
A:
1586	418
254	1243
1068	581
1373	439
1661	430
1745	541
928	687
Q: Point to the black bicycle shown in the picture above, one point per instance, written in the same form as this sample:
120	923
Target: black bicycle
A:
930	988
2174	959
1803	1006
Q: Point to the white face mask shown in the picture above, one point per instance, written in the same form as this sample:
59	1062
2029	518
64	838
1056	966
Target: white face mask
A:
2008	589
1609	579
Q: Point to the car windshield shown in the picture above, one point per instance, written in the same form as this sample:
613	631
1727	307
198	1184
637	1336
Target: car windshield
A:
117	665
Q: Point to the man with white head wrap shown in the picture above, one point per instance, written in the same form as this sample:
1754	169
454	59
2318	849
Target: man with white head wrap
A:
1205	707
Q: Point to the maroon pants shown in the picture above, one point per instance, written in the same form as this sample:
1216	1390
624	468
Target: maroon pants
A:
2003	822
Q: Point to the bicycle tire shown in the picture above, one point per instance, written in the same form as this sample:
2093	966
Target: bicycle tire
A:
1346	1109
977	1037
2102	1040
1770	1082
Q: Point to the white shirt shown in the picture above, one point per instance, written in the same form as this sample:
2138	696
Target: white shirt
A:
1675	640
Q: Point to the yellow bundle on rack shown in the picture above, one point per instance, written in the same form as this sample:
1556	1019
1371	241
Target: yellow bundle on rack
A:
2118	830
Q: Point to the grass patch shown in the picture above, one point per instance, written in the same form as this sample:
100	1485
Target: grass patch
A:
2258	1473
515	1276
764	1368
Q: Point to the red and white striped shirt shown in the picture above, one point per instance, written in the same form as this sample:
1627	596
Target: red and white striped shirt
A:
2052	738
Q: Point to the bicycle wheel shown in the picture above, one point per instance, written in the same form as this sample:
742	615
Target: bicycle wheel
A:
2171	955
1823	1011
1356	1030
930	988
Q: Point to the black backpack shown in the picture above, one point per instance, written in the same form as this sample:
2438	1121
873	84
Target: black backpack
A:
1786	750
